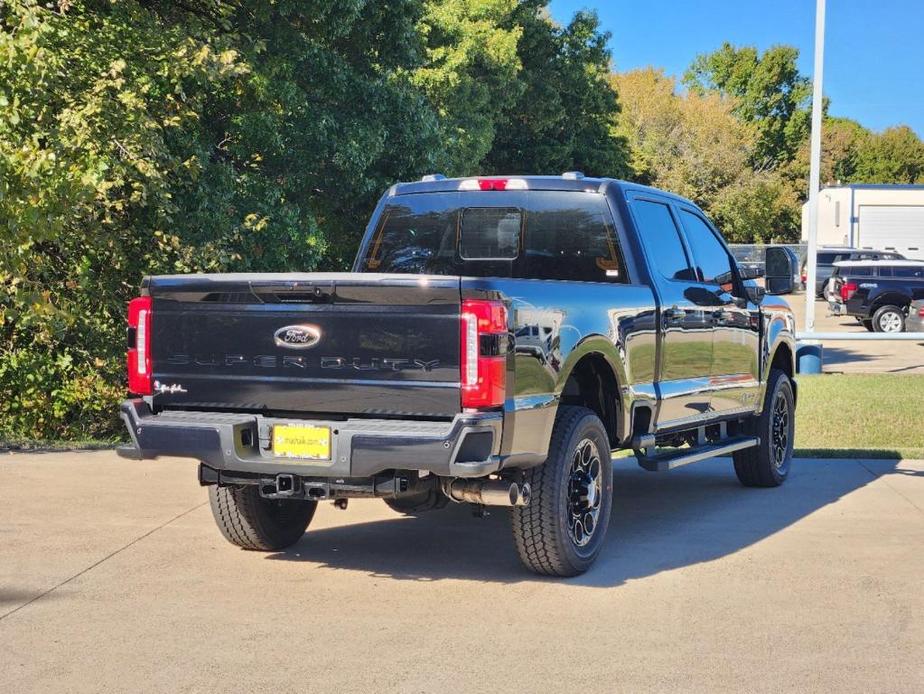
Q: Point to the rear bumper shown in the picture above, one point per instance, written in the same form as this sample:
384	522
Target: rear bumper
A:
467	446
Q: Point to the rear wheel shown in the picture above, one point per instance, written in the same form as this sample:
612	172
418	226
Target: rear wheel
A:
561	531
889	319
768	463
248	520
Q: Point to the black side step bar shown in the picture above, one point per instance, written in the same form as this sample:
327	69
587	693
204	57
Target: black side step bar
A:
685	456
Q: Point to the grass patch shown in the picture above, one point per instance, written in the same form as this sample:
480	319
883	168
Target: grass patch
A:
860	415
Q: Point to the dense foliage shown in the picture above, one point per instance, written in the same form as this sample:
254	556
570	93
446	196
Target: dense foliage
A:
147	136
162	136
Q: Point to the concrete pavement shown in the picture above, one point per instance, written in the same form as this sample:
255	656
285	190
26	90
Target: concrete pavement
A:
114	578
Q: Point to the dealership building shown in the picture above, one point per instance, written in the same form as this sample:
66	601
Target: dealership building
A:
884	217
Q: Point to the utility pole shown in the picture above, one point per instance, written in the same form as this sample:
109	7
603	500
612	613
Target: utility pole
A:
815	167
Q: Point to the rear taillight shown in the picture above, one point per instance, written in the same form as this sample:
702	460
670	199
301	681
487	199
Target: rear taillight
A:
847	290
484	353
139	345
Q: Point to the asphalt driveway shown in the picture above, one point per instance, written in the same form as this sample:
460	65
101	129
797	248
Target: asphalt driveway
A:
114	578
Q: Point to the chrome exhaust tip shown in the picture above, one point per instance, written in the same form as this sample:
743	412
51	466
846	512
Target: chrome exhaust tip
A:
489	492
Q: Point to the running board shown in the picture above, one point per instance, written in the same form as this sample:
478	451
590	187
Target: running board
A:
668	461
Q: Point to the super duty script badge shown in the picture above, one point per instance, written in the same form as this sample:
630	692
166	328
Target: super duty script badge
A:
297	336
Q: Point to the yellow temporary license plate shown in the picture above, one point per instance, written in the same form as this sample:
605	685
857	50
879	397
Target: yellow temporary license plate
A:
293	441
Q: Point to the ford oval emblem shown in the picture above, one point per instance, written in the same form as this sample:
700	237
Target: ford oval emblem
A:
297	336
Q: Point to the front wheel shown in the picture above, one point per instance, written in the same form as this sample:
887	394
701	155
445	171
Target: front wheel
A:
561	531
768	463
248	520
889	319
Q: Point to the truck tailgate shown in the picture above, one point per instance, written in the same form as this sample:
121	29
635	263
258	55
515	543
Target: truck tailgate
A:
340	343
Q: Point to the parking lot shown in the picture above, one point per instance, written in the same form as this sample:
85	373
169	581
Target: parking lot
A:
854	356
113	578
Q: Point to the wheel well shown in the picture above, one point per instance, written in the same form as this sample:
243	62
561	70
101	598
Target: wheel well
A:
592	384
889	300
782	360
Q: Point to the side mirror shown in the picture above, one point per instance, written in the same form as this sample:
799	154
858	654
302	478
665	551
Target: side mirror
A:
750	272
782	270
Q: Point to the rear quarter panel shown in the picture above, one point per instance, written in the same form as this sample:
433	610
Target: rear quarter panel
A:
555	324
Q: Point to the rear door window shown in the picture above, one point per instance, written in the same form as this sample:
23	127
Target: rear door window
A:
661	238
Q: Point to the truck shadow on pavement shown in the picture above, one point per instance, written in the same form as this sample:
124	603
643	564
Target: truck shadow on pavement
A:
660	522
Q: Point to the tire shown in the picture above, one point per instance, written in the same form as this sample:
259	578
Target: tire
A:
248	520
889	319
868	324
572	490
430	499
768	464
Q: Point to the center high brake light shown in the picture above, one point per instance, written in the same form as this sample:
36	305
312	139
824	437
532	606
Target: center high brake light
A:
139	346
484	353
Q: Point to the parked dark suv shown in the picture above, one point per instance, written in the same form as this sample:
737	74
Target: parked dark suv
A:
876	292
827	257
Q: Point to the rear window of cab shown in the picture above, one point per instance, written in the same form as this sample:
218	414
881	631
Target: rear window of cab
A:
551	235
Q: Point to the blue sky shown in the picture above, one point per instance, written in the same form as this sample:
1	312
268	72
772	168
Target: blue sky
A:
874	50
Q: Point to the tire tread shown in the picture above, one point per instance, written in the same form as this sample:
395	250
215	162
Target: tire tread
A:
242	518
535	526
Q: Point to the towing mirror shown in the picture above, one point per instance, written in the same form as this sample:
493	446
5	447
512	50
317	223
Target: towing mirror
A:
782	270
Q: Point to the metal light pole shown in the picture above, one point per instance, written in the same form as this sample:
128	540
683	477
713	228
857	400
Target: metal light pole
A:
815	167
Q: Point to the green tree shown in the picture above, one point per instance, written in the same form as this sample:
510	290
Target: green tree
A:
562	116
248	137
894	156
469	75
693	144
769	91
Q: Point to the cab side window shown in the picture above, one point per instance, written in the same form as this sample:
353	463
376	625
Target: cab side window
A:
712	260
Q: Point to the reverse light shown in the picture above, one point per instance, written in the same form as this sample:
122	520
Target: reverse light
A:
139	345
847	290
483	351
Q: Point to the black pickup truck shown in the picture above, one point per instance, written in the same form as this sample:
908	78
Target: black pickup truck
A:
497	338
876	292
